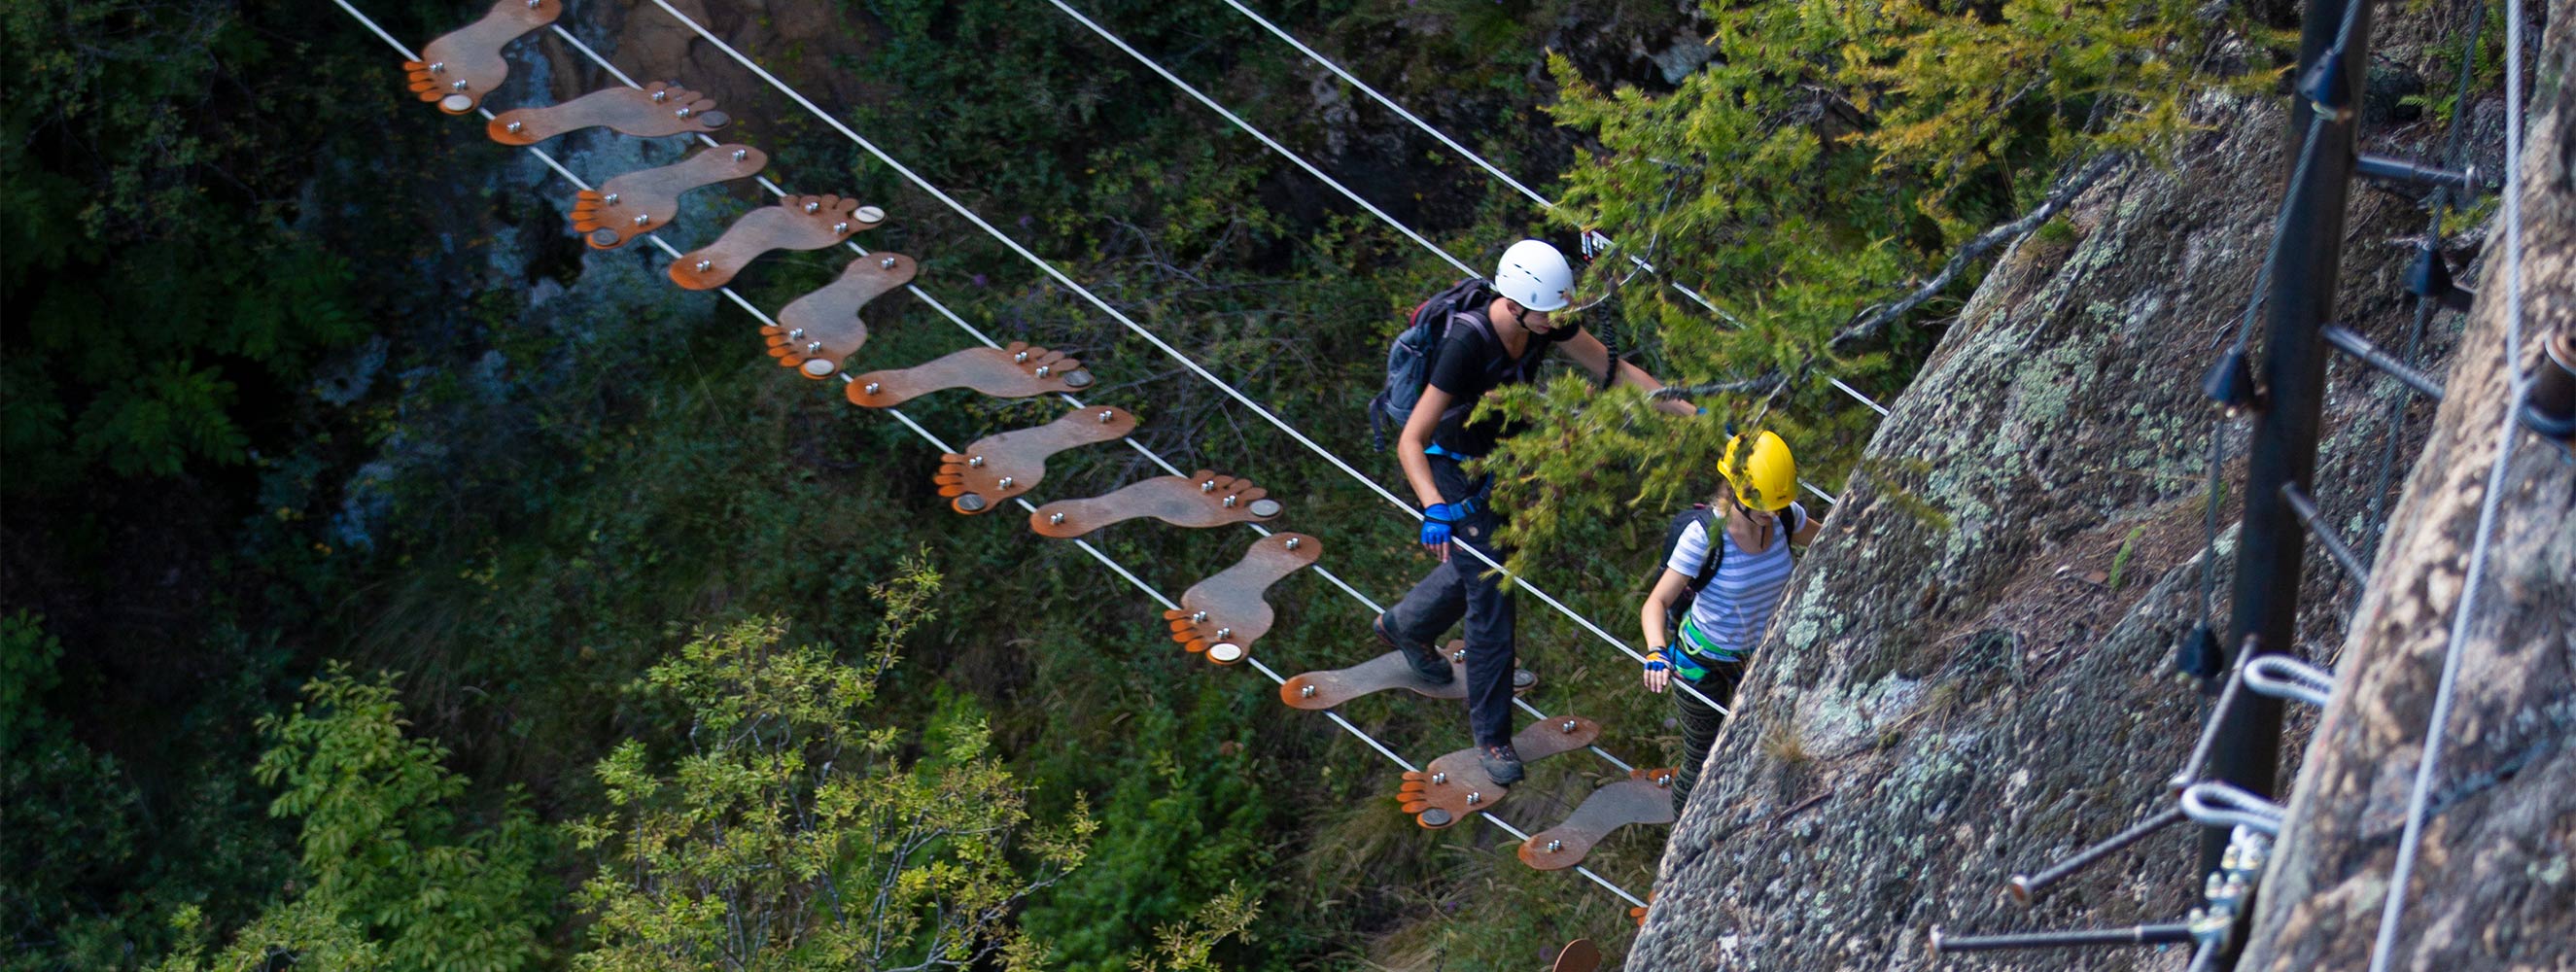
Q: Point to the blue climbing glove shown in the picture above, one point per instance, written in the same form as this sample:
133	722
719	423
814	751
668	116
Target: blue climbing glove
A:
1435	524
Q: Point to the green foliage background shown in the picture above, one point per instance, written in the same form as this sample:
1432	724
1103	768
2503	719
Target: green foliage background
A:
303	380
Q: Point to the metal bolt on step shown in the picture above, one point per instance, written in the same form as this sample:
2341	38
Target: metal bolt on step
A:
705	265
1475	797
1439	778
610	199
1568	726
1208	487
661	96
643	218
1224	633
1198	617
795	334
1043	371
974	462
813	207
1006	484
684	112
813	347
886	264
1106	415
460	85
516	126
871	389
841	227
1306	691
1292	543
1230	501
1020	358
1555	845
740	154
440	67
1054	519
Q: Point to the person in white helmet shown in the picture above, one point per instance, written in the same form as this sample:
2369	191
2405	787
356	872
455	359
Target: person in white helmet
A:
1500	343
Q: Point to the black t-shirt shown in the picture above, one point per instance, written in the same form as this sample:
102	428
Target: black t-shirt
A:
1471	363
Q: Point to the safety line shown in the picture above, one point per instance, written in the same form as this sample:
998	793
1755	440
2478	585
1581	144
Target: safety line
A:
1496	171
1141	331
2517	386
934	440
2425	305
1238	121
1335	579
1342	189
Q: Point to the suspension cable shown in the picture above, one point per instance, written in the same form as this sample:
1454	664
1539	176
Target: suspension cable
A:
2418	799
1140	330
934	440
2424	306
1141	449
1496	171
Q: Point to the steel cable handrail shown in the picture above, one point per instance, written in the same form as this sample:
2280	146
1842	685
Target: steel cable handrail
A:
1130	440
934	440
1140	330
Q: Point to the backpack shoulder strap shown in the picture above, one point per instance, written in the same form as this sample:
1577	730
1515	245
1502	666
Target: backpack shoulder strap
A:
1716	550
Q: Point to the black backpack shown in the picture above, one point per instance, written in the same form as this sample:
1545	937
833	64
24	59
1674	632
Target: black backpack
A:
1409	358
1706	516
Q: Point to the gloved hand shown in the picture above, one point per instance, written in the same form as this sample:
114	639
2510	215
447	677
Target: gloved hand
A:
1658	670
1436	519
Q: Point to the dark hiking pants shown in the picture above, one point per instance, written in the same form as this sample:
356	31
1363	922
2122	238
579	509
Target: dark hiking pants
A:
1700	722
1464	587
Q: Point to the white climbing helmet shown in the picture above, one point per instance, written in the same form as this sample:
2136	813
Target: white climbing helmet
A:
1533	274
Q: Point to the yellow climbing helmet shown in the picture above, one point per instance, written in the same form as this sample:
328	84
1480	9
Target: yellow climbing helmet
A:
1765	476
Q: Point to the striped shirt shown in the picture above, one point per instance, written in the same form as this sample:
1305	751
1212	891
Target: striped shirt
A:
1731	613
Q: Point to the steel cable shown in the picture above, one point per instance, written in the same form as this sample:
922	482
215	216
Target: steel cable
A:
596	58
1122	571
2393	912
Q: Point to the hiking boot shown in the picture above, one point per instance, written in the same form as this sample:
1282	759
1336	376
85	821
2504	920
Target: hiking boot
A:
1426	661
1500	763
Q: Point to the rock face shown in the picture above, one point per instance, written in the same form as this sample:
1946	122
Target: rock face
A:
1972	676
2494	882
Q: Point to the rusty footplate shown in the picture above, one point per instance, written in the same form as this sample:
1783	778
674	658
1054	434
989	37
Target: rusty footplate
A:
998	467
1016	371
817	333
639	202
1645	797
796	223
1201	499
462	66
1223	615
652	111
1455	785
1326	689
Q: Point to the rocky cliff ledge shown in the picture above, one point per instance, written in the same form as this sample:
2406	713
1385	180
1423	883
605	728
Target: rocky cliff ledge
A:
1974	675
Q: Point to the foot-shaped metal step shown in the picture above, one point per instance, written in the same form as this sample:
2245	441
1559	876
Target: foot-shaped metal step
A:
1579	955
1201	499
1224	614
1326	689
998	467
1015	371
637	203
1455	785
1645	797
817	333
796	223
463	66
657	109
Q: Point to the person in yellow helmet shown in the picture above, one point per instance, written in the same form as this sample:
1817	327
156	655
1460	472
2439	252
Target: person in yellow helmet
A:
1725	566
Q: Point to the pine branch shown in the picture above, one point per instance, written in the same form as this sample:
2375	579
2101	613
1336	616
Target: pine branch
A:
1871	321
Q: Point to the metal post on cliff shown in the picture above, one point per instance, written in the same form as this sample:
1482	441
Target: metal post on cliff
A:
2333	59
